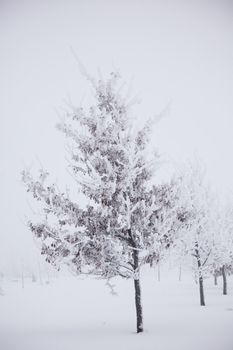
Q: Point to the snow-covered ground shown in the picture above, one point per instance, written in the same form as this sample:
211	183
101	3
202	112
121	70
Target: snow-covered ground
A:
80	313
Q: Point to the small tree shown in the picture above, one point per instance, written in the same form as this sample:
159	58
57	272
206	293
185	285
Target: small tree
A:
166	219
117	230
223	244
198	222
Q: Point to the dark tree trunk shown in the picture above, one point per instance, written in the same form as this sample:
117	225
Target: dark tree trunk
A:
138	305
224	277
200	279
215	279
137	287
201	288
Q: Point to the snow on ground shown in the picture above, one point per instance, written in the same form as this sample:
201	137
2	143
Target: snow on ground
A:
80	313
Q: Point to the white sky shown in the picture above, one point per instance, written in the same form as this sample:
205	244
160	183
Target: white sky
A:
178	51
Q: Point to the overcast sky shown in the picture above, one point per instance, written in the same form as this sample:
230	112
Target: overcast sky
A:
177	52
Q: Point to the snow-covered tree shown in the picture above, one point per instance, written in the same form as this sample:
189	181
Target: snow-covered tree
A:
197	242
223	244
166	219
122	224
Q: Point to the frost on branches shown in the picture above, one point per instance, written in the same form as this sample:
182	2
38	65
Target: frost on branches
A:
126	221
199	219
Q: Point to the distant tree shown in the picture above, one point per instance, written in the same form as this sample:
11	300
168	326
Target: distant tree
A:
33	276
121	225
165	219
196	208
223	244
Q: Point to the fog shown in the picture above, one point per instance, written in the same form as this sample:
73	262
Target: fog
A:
174	53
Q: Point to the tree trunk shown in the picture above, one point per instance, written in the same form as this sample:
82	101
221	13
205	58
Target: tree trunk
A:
158	272
200	277
137	287
215	279
224	277
138	305
201	288
180	273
